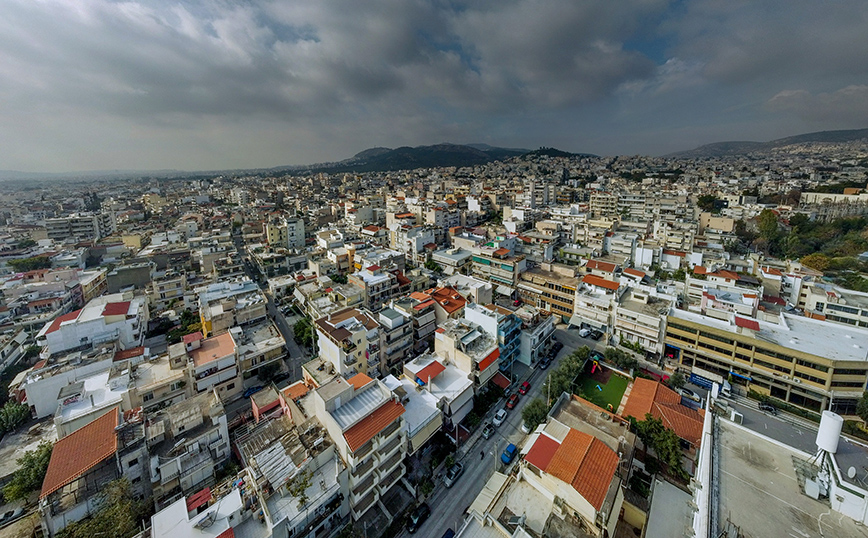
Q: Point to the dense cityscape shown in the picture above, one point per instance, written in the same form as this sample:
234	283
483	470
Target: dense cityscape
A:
545	345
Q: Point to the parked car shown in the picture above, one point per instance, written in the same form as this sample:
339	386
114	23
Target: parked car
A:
524	388
516	302
499	418
487	431
508	454
11	516
280	377
417	517
452	475
687	393
584	333
597	356
545	362
525	427
558	347
251	391
512	401
768	408
596	335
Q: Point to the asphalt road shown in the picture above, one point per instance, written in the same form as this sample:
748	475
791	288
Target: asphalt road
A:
788	429
448	505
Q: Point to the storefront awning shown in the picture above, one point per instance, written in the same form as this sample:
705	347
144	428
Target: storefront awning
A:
505	290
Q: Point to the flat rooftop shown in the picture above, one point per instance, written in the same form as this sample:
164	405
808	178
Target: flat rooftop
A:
756	472
820	338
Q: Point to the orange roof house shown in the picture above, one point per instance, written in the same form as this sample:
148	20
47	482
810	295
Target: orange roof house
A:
365	430
649	396
79	452
600	282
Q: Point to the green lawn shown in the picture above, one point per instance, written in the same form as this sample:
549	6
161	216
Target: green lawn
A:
611	393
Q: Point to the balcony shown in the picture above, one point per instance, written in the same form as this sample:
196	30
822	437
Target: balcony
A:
363	469
362	489
386	450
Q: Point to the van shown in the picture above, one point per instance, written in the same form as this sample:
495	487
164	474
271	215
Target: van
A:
449	533
726	389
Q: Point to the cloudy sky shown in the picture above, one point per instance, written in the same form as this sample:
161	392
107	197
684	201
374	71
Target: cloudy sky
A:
207	84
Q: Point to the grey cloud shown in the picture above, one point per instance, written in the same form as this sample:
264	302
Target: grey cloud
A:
848	105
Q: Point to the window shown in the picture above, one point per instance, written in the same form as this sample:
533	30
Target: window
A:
148	397
817	367
132	463
850	371
230	386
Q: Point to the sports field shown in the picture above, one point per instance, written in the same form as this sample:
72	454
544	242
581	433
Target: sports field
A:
613	386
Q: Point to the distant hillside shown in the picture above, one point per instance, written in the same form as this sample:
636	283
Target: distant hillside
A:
407	158
723	149
554	152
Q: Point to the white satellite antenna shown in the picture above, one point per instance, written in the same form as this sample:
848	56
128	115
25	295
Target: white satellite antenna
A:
851	472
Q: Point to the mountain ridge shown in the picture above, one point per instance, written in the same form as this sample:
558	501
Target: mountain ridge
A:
741	147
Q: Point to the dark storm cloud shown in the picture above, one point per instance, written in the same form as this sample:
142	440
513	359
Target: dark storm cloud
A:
210	83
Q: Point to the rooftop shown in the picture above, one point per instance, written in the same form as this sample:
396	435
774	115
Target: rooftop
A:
213	348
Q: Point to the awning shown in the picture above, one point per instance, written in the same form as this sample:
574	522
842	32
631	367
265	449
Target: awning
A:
505	290
736	374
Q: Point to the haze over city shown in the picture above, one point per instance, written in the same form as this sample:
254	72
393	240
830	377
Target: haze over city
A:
211	85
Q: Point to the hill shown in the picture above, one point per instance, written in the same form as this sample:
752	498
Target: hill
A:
723	149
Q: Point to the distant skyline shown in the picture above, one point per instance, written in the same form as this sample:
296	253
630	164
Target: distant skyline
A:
209	85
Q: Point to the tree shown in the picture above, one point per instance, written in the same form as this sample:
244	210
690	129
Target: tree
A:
534	413
22	265
817	261
298	487
119	515
431	265
304	332
706	202
12	414
768	225
267	372
862	407
30	473
677	380
663	441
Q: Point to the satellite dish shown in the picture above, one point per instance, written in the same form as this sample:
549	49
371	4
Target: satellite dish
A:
851	472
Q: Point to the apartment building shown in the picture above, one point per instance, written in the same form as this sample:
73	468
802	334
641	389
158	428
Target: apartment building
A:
226	304
499	266
604	204
595	300
503	325
537	333
469	347
285	232
379	285
418	307
396	340
167	289
831	303
187	443
640	318
366	422
350	341
805	362
119	318
258	345
212	364
82	227
453	260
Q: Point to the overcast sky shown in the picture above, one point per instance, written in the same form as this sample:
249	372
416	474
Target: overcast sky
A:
94	85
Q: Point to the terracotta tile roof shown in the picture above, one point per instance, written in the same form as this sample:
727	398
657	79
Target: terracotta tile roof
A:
124	354
634	272
585	463
212	349
729	275
542	452
501	251
699	270
359	380
190	338
602	266
404	215
440	330
116	309
772	271
228	533
296	390
751	324
487	361
649	396
678	253
601	282
449	299
430	372
365	430
419	296
81	451
60	319
371	228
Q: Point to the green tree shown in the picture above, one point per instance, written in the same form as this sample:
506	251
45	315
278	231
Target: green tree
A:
817	261
299	485
768	225
267	372
21	265
677	380
431	265
534	413
862	407
119	515
706	202
30	473
12	414
663	441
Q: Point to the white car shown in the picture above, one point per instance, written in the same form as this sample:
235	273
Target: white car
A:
499	418
687	393
584	333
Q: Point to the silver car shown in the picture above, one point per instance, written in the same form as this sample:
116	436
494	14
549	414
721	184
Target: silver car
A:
499	418
452	475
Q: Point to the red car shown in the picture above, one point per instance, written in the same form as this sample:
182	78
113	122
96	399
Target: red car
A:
524	388
512	401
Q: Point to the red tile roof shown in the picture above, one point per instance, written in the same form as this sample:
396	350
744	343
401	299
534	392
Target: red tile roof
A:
699	270
542	452
501	251
404	215
587	464
116	309
649	396
751	324
501	380
60	319
359	380
602	266
594	280
430	372
365	430
81	451
296	390
212	349
228	533
190	338
678	253
449	299
487	361
634	272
